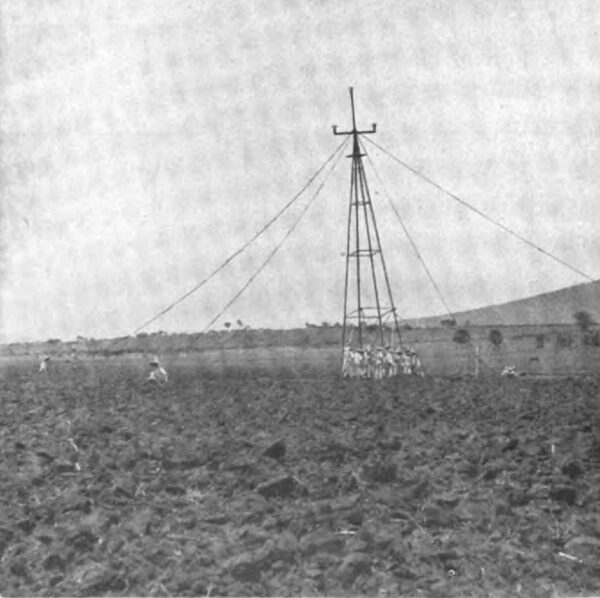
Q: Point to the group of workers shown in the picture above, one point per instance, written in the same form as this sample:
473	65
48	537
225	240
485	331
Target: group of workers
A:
371	362
380	362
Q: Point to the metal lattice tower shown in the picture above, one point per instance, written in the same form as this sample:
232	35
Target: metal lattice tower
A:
364	259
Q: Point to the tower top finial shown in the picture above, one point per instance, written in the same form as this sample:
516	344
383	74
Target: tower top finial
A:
354	131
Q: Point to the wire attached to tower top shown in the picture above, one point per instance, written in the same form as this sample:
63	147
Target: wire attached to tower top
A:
240	250
483	215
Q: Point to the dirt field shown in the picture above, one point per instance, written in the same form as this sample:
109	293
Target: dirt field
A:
247	484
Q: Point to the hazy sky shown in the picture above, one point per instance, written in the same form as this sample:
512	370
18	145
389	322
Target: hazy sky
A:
142	142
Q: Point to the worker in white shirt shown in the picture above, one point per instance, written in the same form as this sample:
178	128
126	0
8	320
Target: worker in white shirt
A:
44	364
157	372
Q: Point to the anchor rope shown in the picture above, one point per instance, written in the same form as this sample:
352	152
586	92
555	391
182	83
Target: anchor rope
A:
412	242
483	215
243	247
272	254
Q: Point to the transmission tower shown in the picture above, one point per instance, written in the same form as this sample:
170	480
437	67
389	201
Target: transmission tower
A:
367	284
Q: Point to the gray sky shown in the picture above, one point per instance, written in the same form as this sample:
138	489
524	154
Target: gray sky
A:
142	142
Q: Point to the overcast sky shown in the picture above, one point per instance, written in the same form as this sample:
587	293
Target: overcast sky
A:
143	142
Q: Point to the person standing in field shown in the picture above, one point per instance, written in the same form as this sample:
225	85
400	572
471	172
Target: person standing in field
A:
379	361
347	369
390	363
44	364
157	372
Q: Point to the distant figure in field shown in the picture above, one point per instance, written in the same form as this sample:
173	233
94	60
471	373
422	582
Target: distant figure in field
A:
389	364
348	363
416	368
157	372
44	364
510	371
351	367
403	360
369	362
379	363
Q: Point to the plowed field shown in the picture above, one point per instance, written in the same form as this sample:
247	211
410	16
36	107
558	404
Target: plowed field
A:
248	485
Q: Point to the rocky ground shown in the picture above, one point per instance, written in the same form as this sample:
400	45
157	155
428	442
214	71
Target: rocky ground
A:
261	485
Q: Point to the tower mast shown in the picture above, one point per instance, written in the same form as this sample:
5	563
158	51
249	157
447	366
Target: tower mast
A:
362	229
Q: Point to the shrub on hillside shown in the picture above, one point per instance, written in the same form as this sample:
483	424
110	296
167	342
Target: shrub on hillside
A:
540	340
496	337
584	320
592	339
461	336
564	340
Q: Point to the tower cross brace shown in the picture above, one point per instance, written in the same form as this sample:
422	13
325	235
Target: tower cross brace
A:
362	226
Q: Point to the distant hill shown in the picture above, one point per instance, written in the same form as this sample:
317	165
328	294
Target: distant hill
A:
556	307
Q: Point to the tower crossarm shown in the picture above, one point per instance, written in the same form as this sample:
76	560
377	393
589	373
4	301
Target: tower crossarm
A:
372	130
354	130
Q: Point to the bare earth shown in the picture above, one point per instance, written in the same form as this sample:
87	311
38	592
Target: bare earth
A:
271	485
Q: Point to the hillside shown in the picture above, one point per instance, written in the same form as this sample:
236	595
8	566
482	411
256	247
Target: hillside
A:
552	309
556	307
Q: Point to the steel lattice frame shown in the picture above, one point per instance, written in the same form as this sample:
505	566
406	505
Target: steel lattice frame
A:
363	223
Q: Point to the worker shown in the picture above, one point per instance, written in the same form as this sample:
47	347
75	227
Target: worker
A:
157	372
390	364
44	364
